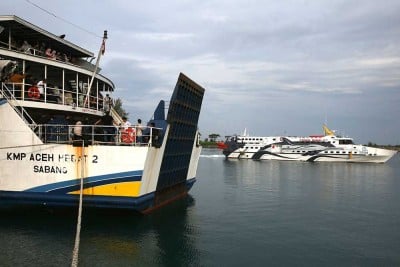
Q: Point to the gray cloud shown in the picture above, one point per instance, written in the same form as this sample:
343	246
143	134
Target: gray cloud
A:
272	67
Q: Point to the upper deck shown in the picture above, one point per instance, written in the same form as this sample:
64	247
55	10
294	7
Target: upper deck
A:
15	29
24	61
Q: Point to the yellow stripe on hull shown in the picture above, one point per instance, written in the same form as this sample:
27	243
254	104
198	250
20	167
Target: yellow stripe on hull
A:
124	189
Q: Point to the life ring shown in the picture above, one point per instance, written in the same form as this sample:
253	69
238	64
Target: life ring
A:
128	136
33	92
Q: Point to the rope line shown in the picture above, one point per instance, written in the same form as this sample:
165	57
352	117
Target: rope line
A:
75	253
62	19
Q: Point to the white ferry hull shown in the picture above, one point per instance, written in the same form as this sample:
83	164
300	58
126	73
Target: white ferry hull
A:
114	176
374	155
140	177
327	158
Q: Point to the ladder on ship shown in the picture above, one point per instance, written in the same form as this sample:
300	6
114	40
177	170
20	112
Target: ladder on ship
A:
6	93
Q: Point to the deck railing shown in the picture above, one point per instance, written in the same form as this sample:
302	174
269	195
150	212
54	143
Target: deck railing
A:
81	62
99	135
53	95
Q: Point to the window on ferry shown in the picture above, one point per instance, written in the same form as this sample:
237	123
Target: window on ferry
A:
346	142
273	139
337	152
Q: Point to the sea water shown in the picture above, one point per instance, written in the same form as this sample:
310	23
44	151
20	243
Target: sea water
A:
238	213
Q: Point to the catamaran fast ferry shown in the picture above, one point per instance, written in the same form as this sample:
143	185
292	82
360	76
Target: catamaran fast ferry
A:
329	147
51	141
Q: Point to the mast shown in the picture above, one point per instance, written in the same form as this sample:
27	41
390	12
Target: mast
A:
101	52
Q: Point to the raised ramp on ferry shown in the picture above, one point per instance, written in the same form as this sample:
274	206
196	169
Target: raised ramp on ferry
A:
183	116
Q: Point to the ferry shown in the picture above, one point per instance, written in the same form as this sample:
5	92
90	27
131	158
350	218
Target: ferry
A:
329	147
57	146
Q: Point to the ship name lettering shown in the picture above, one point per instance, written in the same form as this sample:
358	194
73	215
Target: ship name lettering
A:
15	156
50	169
41	157
70	158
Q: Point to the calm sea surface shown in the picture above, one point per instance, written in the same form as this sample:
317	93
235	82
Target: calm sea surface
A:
239	213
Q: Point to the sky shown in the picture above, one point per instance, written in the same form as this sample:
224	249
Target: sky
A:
270	67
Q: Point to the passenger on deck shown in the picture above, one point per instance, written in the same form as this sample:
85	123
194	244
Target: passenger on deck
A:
26	48
54	55
69	100
77	130
41	86
126	124
127	133
66	58
109	129
108	103
139	131
48	53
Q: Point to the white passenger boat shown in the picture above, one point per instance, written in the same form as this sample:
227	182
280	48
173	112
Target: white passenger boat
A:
328	147
42	162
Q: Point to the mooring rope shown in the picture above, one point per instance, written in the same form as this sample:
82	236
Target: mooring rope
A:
75	253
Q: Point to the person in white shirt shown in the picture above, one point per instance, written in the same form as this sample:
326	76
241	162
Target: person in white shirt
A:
77	131
41	86
126	124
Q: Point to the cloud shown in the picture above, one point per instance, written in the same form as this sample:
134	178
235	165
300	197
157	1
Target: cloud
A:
269	66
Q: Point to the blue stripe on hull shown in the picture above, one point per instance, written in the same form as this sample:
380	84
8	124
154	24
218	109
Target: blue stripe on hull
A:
66	200
73	185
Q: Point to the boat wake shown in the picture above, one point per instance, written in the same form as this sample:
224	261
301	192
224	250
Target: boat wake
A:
212	156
